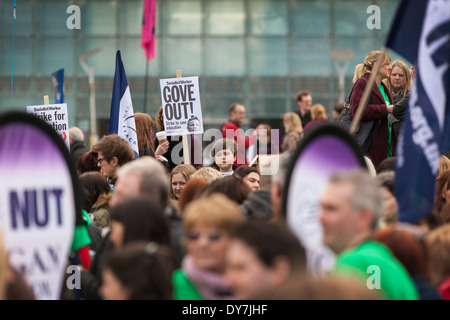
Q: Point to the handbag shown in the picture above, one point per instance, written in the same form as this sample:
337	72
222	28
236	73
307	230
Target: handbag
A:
363	132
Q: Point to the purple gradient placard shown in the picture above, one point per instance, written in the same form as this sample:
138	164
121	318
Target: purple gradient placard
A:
37	202
320	156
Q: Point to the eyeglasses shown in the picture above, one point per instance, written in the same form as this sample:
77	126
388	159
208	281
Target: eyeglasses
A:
100	159
213	236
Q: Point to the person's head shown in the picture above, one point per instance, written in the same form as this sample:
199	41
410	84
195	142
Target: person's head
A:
144	128
144	176
318	112
208	173
250	176
369	64
224	153
261	256
113	152
437	243
387	164
237	112
400	77
178	178
96	184
444	164
351	207
230	186
386	182
292	123
406	243
138	218
337	108
193	124
208	223
191	191
75	134
140	271
304	100
263	132
442	193
87	162
159	118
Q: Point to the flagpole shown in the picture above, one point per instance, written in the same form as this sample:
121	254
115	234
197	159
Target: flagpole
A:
366	94
12	63
145	85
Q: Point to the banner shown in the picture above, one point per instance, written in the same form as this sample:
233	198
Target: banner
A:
323	151
56	116
148	35
425	131
38	203
182	109
58	83
121	118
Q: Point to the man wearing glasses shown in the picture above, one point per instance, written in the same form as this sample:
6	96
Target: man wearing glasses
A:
113	152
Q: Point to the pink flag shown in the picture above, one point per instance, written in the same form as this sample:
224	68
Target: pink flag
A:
148	36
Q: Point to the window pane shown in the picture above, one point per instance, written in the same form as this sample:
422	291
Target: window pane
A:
311	17
351	17
22	58
267	56
134	59
310	57
23	18
268	17
225	17
98	18
225	57
131	17
388	8
360	47
182	54
104	61
182	17
54	54
57	25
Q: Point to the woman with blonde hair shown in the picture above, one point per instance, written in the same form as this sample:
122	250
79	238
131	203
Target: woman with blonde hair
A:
399	83
178	178
379	106
318	116
293	131
208	224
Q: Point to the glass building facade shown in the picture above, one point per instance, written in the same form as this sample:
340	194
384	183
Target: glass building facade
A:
259	52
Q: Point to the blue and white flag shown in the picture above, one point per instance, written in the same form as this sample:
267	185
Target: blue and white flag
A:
421	33
121	118
58	82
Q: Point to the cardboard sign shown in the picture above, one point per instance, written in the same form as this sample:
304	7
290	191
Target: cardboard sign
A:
56	116
182	109
322	152
38	204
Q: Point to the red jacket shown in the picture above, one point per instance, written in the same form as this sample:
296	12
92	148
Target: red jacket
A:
376	110
243	143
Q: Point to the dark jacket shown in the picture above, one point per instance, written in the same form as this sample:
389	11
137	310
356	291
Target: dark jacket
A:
376	110
195	151
77	149
400	105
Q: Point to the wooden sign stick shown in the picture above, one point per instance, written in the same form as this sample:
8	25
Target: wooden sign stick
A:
46	101
187	159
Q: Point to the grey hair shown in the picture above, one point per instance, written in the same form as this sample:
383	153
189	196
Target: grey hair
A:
366	194
76	134
155	180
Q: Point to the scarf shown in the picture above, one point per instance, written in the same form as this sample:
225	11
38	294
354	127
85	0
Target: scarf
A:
210	285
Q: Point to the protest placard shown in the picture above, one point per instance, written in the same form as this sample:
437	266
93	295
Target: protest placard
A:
182	109
56	116
38	203
322	152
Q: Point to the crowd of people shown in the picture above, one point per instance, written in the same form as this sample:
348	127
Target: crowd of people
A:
161	229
